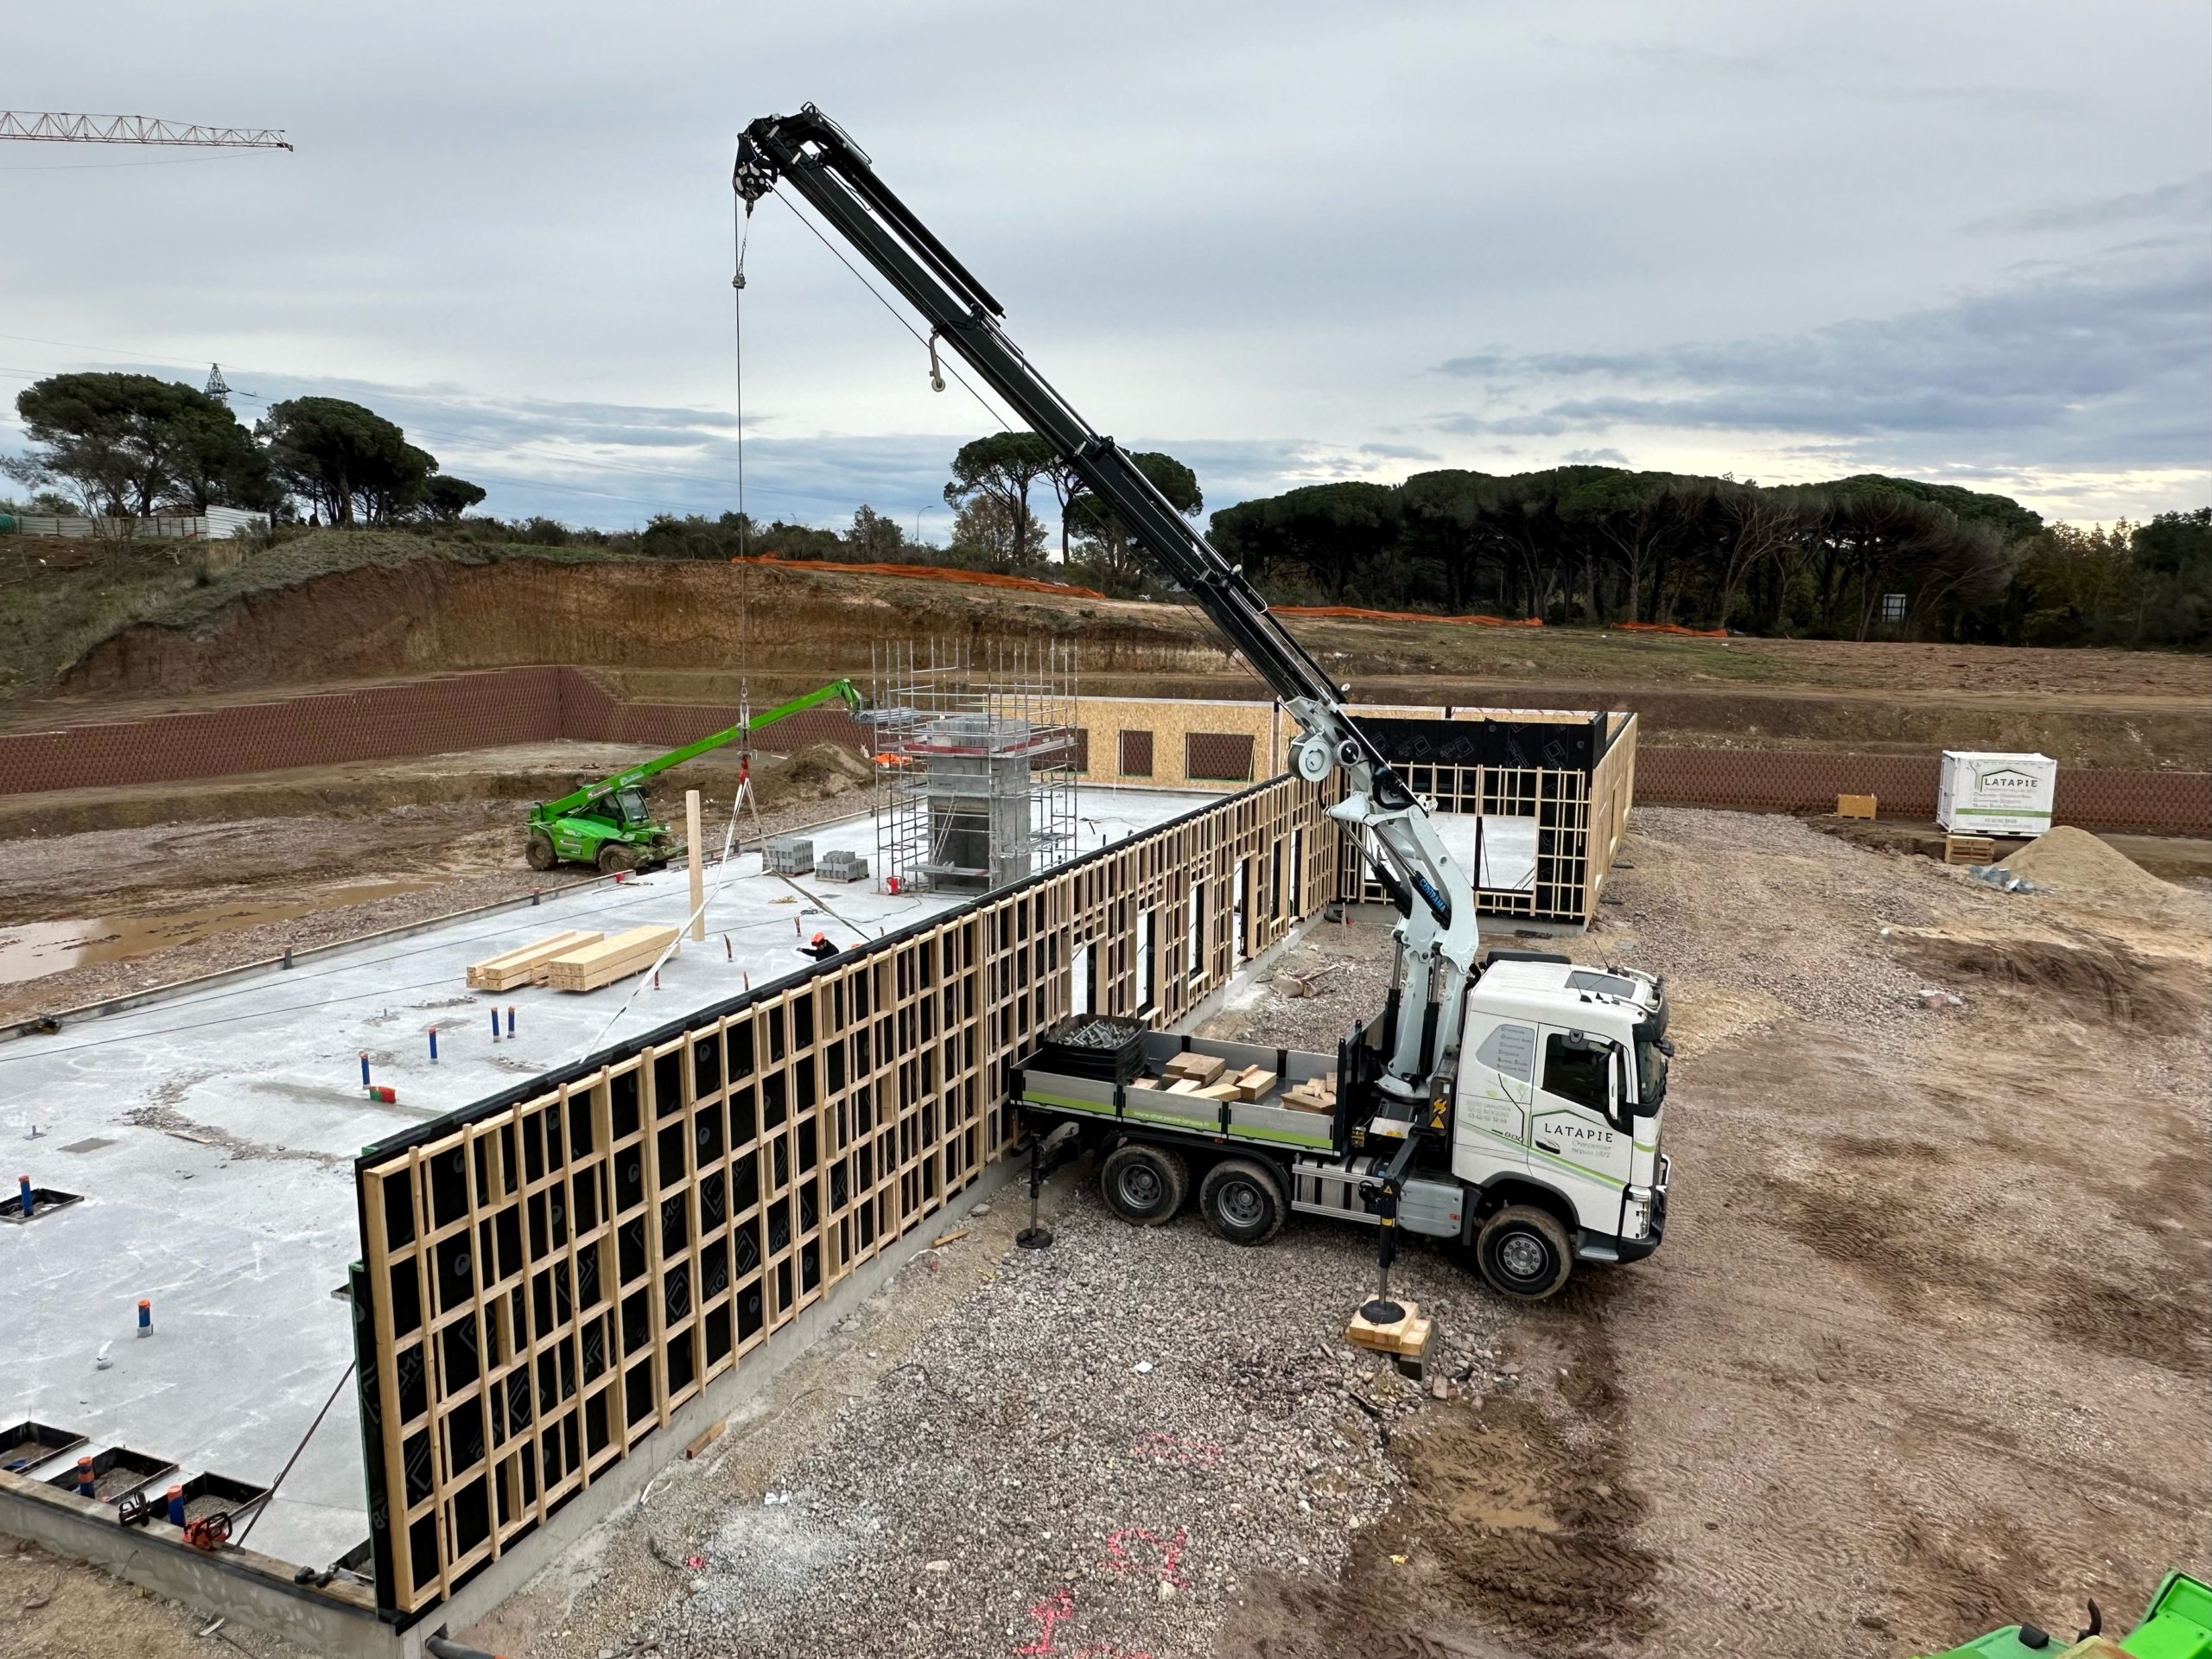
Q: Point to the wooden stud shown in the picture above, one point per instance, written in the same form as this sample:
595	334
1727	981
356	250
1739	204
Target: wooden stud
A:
691	836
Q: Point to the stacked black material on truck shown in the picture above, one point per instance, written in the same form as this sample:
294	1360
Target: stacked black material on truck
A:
1094	1045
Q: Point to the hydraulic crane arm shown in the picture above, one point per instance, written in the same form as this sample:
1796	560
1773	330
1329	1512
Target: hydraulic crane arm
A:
1437	934
660	763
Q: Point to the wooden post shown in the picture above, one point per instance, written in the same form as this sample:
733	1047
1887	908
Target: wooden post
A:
698	873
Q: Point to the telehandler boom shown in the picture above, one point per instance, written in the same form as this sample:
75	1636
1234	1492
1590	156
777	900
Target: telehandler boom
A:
608	824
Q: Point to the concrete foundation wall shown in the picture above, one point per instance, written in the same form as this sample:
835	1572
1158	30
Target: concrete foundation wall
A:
240	1585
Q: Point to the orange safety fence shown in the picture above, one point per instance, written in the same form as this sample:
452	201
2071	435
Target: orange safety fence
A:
1408	616
929	573
1671	627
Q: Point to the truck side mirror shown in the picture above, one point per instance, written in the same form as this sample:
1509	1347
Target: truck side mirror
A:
1618	1113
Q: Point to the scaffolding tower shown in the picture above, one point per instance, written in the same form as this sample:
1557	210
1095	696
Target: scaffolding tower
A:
976	758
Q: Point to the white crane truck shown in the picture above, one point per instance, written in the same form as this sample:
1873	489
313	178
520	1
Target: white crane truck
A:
1545	1149
1515	1106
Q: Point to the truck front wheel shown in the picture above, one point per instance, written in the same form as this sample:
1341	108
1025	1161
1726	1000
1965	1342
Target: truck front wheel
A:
1242	1201
1144	1185
1523	1253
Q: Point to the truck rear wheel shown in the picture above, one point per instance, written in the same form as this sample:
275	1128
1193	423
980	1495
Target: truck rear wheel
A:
1144	1185
540	851
1242	1201
1523	1253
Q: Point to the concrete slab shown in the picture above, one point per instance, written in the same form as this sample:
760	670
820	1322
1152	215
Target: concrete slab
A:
212	1133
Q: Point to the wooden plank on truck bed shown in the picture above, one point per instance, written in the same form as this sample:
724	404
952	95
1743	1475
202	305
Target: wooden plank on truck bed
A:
595	965
1254	1084
1199	1068
516	967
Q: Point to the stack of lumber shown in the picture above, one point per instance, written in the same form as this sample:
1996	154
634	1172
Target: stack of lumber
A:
591	966
1209	1090
1199	1069
1209	1077
1314	1094
521	965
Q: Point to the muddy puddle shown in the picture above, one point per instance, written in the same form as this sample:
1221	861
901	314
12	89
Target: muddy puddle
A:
32	949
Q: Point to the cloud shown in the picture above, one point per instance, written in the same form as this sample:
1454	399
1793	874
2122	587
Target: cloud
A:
553	313
2103	365
1812	76
615	465
2185	198
1594	458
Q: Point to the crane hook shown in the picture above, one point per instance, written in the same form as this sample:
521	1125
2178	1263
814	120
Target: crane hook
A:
937	374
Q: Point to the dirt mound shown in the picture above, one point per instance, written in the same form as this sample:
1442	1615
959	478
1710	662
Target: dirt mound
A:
2071	860
822	770
2098	981
435	615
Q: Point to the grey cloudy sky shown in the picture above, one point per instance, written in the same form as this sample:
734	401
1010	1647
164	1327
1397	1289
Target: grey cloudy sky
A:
1287	242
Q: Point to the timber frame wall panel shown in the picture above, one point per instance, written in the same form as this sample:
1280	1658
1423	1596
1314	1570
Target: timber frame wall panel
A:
547	1275
1162	728
1580	813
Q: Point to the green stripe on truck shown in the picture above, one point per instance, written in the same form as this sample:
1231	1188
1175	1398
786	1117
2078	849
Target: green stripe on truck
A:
1197	1126
1101	1107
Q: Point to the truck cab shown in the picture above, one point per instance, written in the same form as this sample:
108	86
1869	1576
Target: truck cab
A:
1560	1103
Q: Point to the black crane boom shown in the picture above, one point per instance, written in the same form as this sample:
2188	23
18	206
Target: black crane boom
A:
835	175
1437	936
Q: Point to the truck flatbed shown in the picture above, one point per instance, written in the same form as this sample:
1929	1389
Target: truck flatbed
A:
1148	1099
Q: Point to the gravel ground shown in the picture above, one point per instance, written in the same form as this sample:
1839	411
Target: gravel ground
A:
1765	946
1332	979
1090	1453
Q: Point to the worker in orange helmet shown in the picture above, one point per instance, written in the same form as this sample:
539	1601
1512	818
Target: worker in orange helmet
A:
819	948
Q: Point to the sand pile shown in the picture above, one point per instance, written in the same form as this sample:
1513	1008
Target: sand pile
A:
2074	862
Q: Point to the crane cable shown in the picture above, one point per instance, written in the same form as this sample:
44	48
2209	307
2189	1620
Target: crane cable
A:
929	342
1006	423
741	233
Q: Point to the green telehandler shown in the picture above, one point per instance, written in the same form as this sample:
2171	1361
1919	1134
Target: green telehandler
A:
608	824
2177	1625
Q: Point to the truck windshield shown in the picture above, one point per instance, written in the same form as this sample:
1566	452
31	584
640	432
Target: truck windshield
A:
1650	1075
630	806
